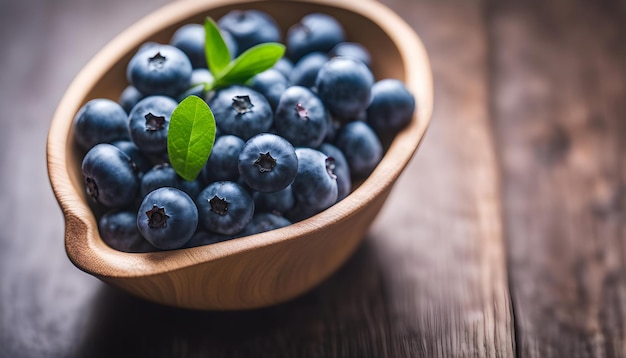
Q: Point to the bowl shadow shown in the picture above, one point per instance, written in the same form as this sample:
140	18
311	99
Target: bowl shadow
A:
314	324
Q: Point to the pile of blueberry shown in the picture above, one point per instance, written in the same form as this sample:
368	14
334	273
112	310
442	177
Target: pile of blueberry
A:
289	143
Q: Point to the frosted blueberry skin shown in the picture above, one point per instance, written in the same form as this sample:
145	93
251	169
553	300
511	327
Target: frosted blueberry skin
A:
160	70
149	45
249	28
225	207
306	69
352	49
271	84
391	108
331	129
199	76
276	202
315	185
162	175
142	164
149	121
118	229
341	169
314	32
301	117
129	97
167	218
284	66
222	163
241	111
345	85
100	120
110	176
191	40
361	147
263	222
267	163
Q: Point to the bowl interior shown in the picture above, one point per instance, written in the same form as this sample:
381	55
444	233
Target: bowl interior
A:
387	61
396	53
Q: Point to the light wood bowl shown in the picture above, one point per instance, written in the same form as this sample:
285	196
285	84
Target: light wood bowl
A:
257	270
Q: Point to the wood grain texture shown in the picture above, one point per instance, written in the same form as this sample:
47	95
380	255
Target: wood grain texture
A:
559	100
430	278
376	306
447	239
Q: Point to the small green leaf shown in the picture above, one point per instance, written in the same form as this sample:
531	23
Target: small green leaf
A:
190	137
215	49
253	61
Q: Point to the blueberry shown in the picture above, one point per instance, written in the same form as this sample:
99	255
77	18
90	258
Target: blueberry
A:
345	85
314	32
275	202
162	175
149	45
142	163
263	222
306	69
225	207
118	229
301	117
241	111
245	187
340	168
202	237
149	121
189	38
167	218
352	49
315	185
271	84
199	76
110	176
130	97
392	106
250	28
268	163
332	127
160	70
284	66
157	158
222	163
361	147
100	120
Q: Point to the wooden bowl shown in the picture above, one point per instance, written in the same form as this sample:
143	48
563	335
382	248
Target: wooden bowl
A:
261	269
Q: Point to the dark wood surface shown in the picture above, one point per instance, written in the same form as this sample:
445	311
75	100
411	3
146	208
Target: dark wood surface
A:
504	237
559	119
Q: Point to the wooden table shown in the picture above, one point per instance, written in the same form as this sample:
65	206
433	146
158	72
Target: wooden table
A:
505	237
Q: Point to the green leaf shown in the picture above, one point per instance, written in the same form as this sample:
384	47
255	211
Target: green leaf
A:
253	61
190	137
215	49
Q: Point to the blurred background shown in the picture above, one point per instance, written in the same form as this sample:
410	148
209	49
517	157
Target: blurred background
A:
504	237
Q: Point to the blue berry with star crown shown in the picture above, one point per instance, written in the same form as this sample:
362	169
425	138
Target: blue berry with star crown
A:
167	218
225	207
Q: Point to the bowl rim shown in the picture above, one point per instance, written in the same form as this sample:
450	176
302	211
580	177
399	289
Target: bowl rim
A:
82	242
